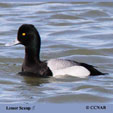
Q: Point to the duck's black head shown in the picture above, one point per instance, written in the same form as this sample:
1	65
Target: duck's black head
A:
28	36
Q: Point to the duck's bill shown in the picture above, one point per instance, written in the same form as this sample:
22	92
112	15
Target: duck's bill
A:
16	42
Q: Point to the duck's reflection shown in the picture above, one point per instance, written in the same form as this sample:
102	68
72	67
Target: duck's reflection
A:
33	80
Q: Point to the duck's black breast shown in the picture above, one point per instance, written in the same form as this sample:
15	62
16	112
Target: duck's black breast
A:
39	69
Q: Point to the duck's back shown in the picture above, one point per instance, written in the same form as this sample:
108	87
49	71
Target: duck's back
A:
56	64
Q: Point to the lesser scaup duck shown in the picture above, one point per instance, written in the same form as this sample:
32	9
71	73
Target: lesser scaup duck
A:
30	38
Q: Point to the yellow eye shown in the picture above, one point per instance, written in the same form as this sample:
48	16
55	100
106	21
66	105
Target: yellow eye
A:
23	34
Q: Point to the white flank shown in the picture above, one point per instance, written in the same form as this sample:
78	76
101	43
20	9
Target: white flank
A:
76	71
61	68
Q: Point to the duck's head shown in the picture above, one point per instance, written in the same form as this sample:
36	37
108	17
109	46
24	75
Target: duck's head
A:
27	35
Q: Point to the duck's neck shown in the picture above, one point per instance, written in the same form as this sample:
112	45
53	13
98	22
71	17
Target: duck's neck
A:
32	52
32	55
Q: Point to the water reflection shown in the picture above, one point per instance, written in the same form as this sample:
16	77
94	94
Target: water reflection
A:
35	81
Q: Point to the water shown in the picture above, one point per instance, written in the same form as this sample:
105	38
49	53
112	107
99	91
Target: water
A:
77	31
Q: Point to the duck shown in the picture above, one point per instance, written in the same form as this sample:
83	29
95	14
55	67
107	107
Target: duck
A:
29	36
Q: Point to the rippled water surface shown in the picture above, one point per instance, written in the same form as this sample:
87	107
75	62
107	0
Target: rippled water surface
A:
77	31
